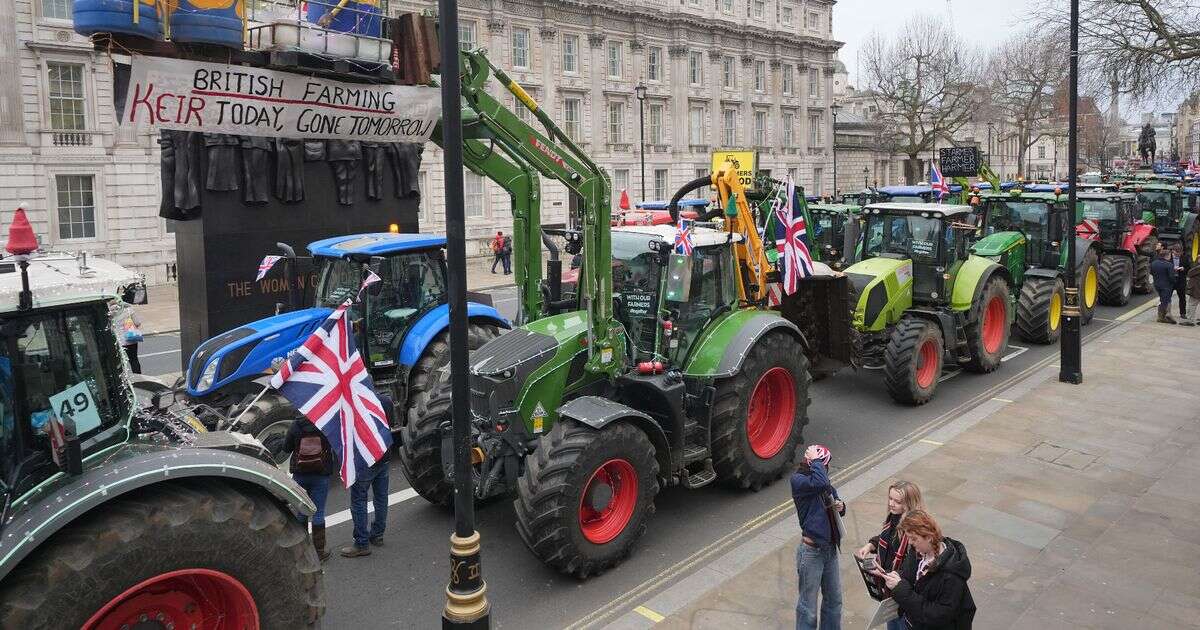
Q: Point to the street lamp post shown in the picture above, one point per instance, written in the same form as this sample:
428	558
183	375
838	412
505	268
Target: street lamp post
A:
866	172
990	127
466	606
833	142
640	91
1070	358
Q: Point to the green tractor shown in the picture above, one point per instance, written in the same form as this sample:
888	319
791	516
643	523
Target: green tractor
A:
925	300
1024	231
835	232
119	515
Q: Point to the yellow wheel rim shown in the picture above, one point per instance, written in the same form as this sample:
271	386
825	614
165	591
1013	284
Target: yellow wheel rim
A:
1090	284
1195	247
1055	311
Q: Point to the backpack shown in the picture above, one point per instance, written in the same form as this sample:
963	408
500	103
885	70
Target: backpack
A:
310	455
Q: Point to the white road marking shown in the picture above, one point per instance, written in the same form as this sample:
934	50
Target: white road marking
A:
950	375
154	354
935	443
393	499
1019	351
1003	400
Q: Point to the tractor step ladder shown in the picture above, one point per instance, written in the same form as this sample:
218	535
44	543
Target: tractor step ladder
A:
693	453
693	480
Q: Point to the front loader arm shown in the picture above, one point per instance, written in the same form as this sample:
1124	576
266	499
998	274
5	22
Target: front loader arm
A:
750	255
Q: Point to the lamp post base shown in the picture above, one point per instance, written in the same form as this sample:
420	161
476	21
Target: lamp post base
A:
467	607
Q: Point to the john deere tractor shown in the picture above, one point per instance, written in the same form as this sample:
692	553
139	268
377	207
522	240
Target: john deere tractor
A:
117	515
1023	230
925	300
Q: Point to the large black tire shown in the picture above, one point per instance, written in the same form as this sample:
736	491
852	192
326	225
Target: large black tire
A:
428	405
1143	282
987	327
1036	320
735	458
1088	303
1149	247
550	495
268	421
1116	280
910	377
167	527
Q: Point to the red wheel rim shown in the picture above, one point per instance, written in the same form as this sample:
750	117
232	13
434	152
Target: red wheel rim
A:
772	412
927	366
993	325
608	501
188	598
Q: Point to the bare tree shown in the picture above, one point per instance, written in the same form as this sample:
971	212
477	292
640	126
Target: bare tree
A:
1024	75
922	80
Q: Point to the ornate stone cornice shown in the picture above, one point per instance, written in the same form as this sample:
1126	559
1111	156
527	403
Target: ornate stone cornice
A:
636	45
715	55
747	60
677	50
547	33
495	25
596	40
775	64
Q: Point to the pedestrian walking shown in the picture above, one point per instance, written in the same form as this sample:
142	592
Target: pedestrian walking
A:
819	509
374	482
931	588
128	328
890	546
1163	270
1193	291
497	250
311	466
506	251
1181	271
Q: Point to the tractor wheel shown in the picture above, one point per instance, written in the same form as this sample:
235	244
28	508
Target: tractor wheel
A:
268	420
179	554
912	361
428	405
1116	280
1088	282
1143	282
759	414
1192	244
987	328
1039	309
586	495
1149	247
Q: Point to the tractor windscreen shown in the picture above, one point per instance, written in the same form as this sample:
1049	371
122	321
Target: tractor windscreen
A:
829	229
636	275
1157	201
409	283
1031	218
339	279
904	235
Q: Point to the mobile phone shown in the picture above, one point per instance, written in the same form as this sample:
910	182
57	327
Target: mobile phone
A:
868	563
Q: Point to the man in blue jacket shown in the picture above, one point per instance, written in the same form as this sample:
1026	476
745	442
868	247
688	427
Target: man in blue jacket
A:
818	508
1163	271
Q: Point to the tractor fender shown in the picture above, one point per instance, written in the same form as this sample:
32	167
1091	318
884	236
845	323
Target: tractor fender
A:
1082	247
248	350
63	498
597	413
722	348
970	280
945	321
1042	272
1138	233
435	321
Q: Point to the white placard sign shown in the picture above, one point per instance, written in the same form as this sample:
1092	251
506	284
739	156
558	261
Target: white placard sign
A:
245	101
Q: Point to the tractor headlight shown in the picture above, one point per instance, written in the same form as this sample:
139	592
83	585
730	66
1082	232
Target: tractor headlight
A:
206	378
995	258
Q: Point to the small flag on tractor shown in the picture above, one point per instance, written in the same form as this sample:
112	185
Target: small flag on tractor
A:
265	266
683	238
937	182
795	261
372	278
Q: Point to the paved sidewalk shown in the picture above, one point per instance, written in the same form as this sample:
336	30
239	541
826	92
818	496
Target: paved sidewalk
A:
1079	505
161	314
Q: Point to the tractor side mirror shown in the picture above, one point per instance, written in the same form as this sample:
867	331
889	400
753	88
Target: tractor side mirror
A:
135	294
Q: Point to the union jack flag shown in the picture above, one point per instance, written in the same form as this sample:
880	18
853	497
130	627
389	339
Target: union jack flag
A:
937	182
265	266
372	278
326	380
683	238
791	233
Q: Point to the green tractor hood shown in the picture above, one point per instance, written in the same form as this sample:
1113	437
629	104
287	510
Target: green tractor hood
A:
997	244
884	287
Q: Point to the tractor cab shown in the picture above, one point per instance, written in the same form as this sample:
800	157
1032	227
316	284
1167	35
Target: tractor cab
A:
934	238
1161	203
835	232
1107	216
1038	217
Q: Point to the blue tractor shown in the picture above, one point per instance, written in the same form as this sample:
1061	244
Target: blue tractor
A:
401	326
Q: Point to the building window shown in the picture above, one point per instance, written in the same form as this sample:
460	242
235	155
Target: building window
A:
521	111
424	192
654	63
793	174
815	132
818	183
727	6
520	48
656	124
786	16
729	120
760	76
570	53
616	122
694	3
696	124
789	124
660	183
1041	151
814	86
76	206
760	128
760	9
727	72
571	118
616	61
67	103
702	192
695	69
56	9
466	35
621	179
787	78
472	194
813	21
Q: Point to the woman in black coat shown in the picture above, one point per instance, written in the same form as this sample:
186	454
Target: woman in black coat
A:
931	588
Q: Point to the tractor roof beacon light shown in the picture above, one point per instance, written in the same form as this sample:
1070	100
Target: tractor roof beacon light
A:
394	228
21	243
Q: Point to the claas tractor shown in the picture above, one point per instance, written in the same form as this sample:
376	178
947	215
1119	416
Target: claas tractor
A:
925	300
1126	243
119	515
1163	207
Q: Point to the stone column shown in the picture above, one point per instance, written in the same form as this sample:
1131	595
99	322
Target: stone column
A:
12	123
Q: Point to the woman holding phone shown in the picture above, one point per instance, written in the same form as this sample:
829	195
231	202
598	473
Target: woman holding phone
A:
933	592
890	547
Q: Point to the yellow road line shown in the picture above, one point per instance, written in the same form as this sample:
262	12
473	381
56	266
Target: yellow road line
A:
649	614
1137	311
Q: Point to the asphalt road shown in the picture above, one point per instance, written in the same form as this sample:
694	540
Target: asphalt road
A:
402	583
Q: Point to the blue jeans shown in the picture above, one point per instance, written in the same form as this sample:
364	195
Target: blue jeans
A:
897	624
317	487
374	479
818	570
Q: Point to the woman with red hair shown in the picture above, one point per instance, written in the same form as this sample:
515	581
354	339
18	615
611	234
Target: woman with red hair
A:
890	546
933	594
